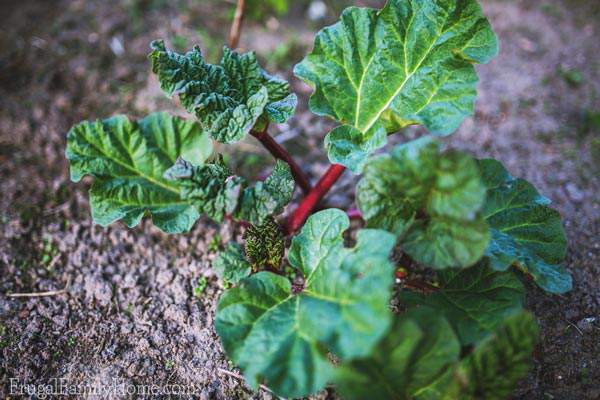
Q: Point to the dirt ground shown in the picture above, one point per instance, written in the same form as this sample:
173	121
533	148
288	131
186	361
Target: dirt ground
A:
138	305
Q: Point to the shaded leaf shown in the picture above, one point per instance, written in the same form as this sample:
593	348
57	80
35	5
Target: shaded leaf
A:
418	349
409	63
128	160
430	200
475	300
227	98
282	338
231	265
525	231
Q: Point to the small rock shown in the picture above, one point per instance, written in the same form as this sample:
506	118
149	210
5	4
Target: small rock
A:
574	192
317	10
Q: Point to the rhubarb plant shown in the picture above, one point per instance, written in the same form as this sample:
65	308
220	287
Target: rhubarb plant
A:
309	294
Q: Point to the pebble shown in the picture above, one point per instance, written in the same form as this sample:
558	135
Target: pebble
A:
574	192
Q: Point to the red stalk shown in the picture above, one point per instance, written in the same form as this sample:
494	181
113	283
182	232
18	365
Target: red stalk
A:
279	152
311	200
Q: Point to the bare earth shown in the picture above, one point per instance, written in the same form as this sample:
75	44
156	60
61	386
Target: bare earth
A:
129	310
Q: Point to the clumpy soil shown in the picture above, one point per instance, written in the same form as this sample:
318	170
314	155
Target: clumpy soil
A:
137	305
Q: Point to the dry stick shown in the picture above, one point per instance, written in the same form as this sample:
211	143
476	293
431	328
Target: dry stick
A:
311	200
241	378
279	152
420	285
236	27
42	294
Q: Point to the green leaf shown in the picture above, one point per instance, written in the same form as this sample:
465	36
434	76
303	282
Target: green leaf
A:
475	300
231	265
269	197
495	367
410	63
216	192
282	337
227	98
419	348
525	231
265	245
128	160
211	187
430	200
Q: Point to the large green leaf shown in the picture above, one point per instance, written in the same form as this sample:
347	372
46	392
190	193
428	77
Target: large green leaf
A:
419	348
216	192
525	231
409	63
282	336
430	199
128	160
227	98
475	300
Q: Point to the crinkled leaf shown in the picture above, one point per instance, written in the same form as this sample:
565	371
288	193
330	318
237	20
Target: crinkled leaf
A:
227	98
211	187
128	160
213	190
418	349
525	231
430	200
231	265
269	197
410	63
475	300
265	245
283	338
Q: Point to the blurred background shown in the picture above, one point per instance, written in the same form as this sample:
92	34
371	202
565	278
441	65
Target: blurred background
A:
139	304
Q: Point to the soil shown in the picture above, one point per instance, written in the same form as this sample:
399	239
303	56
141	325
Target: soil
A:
132	304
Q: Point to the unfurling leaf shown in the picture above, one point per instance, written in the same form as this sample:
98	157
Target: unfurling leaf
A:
265	245
227	98
269	197
475	300
282	338
418	349
231	265
410	63
216	192
431	200
525	231
211	187
128	160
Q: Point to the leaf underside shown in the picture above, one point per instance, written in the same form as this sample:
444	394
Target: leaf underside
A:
430	200
228	98
377	71
525	231
282	338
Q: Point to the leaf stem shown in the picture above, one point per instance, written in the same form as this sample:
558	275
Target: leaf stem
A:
236	26
311	200
279	152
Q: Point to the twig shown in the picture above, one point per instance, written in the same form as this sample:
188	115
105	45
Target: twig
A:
41	294
236	26
279	152
241	378
311	200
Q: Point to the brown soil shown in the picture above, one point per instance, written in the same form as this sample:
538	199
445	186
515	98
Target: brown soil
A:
129	311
